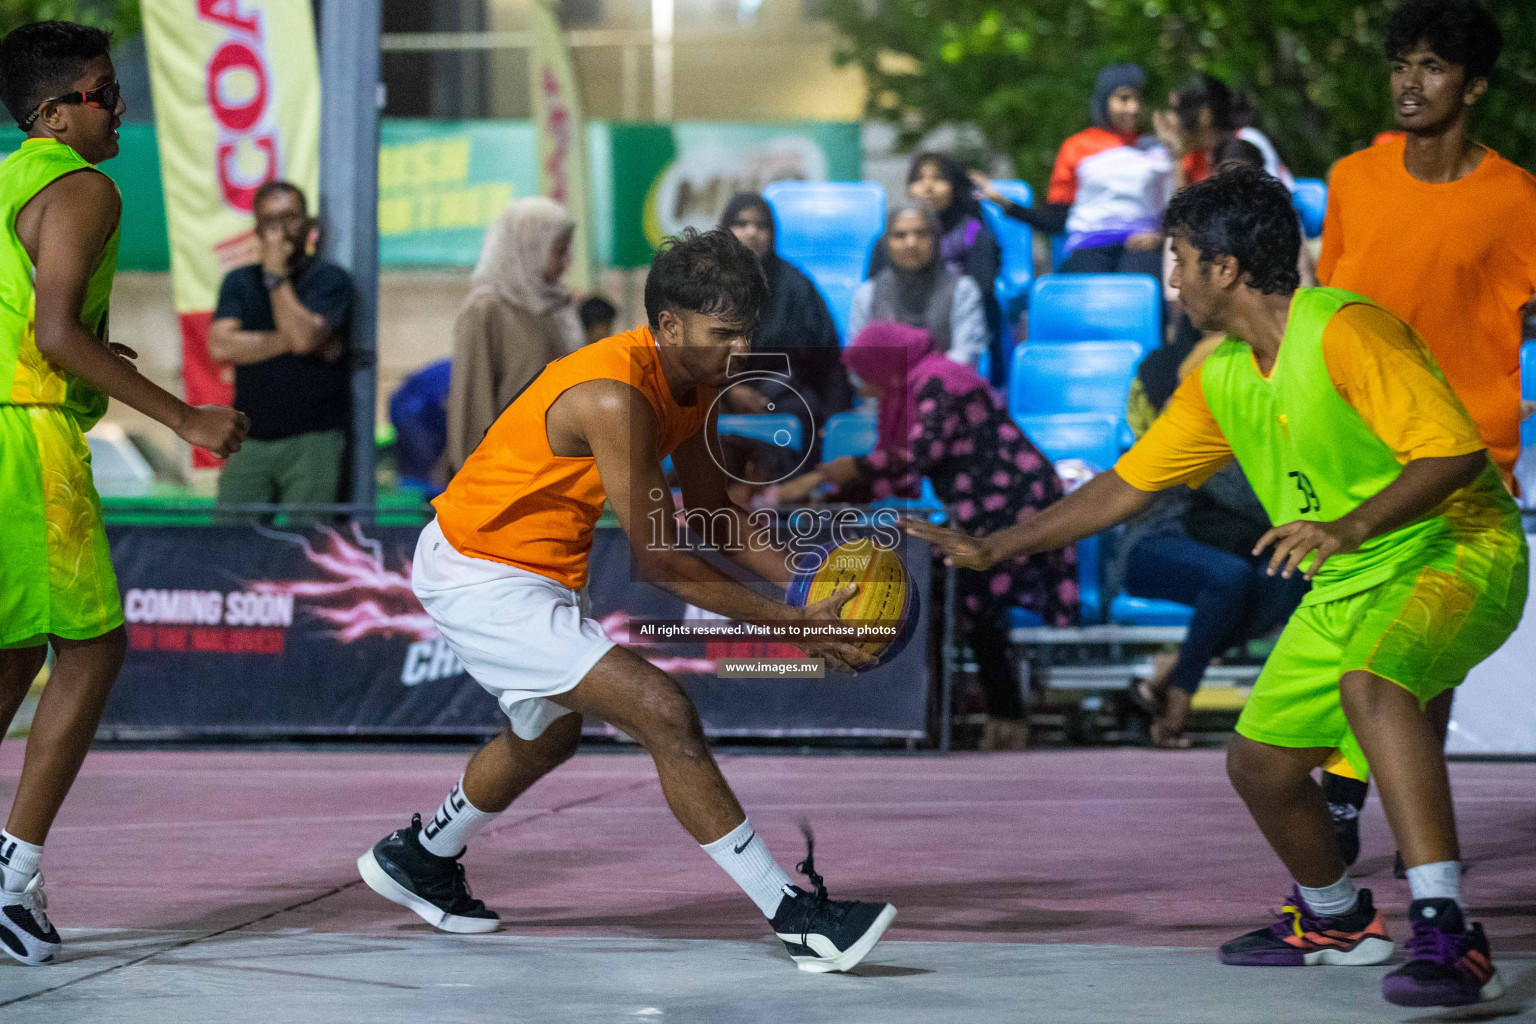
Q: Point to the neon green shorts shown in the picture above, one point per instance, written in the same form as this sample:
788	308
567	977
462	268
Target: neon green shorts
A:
56	574
1424	630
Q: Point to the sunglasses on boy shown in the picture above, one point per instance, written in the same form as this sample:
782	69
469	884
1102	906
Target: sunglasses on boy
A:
104	98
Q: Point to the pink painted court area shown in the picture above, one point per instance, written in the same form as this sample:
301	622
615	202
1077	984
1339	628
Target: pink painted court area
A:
1085	885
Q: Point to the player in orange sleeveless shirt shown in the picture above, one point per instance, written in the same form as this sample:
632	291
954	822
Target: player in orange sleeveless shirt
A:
499	570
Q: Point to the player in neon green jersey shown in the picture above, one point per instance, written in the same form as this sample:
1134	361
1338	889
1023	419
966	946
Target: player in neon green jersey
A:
1384	496
58	250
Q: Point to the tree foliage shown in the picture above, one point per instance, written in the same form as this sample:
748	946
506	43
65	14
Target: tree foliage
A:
1022	70
119	17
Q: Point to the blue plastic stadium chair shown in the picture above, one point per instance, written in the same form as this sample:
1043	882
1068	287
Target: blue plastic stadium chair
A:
1311	201
1058	251
1017	241
419	411
1080	376
1090	574
1126	610
1096	307
828	229
781	431
1092	437
848	433
1528	391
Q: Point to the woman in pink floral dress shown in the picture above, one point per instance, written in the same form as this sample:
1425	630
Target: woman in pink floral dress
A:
940	420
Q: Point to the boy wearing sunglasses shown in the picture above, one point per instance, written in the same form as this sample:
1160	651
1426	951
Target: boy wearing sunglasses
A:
59	220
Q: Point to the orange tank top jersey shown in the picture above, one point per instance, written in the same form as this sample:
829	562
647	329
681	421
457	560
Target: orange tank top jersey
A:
517	502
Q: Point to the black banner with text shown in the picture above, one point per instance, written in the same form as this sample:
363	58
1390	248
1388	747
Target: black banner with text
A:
257	631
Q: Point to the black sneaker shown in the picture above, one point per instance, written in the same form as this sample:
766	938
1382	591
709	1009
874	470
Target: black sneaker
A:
1300	937
1449	963
1346	831
825	935
399	868
25	931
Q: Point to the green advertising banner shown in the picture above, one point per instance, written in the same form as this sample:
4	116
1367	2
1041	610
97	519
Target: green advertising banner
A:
442	182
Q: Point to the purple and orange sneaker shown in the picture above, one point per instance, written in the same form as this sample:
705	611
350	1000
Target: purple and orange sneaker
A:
1449	963
1301	938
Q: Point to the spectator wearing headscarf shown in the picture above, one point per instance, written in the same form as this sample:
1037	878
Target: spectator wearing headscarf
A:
1109	187
940	420
795	321
918	289
517	318
965	244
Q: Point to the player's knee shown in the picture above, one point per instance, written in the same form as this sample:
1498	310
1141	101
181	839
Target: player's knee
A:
671	721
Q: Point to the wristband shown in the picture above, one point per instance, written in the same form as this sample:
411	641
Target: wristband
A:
273	281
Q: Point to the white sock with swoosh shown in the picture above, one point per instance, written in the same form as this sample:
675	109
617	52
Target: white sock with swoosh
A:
745	857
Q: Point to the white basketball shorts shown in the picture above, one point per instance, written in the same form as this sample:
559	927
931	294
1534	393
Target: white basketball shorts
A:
520	635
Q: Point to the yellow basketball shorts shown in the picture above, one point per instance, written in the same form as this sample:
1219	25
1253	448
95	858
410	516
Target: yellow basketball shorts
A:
1424	631
56	573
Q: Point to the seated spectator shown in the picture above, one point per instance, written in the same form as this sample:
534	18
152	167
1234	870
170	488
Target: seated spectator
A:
1195	547
1206	112
517	318
919	290
795	322
283	324
939	420
1109	186
966	245
597	316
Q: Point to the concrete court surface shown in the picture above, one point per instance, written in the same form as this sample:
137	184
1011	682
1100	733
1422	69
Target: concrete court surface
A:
1060	886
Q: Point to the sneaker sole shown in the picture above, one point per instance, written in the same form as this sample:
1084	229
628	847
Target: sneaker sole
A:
379	881
31	960
1493	988
1367	952
848	958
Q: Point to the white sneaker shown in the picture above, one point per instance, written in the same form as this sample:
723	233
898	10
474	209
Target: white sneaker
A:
25	931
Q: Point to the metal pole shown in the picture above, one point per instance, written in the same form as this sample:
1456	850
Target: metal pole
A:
949	658
349	201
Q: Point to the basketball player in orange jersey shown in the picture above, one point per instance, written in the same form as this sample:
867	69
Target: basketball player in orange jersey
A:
500	568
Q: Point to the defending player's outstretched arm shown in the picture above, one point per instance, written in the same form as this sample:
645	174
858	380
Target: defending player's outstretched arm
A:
1102	502
64	229
617	425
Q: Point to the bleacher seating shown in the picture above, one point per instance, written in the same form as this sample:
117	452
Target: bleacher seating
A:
1083	376
1096	307
780	431
1311	201
848	433
1528	391
1017	241
828	229
1092	437
1126	610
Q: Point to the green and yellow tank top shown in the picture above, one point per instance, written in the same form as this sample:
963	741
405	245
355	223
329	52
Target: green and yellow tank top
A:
26	377
1310	455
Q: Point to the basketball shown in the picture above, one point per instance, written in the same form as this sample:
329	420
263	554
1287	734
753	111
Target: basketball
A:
885	598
